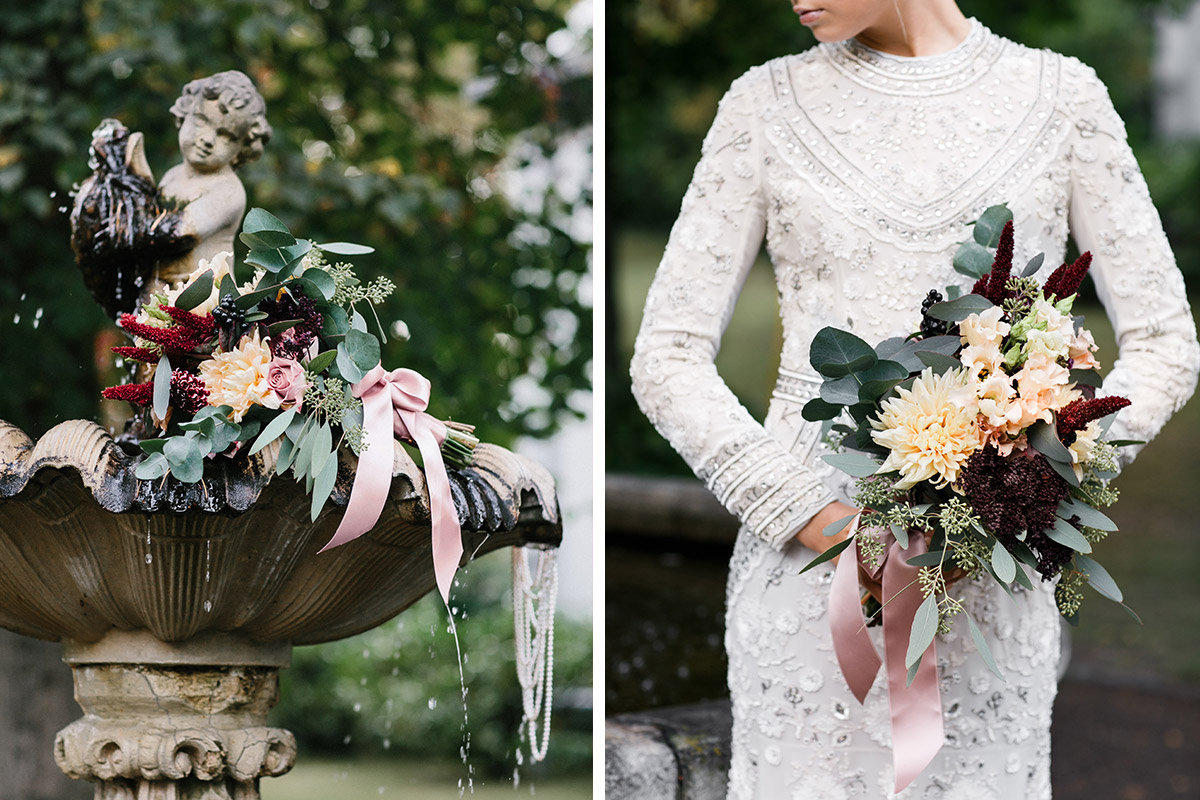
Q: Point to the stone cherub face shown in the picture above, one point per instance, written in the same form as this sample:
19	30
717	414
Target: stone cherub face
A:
222	122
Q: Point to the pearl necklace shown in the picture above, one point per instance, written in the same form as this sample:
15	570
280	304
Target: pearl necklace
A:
534	596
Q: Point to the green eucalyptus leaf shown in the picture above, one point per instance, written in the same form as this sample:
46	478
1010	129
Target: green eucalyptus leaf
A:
1033	266
828	555
929	559
1023	579
279	327
228	286
841	391
835	353
1088	516
1043	437
273	430
152	467
960	309
817	410
347	369
250	299
1098	578
973	260
834	528
322	280
267	240
325	475
196	292
363	349
256	316
856	465
287	452
991	224
907	354
162	388
321	361
259	219
901	534
1067	535
879	379
189	471
336	322
940	363
152	445
1003	563
924	628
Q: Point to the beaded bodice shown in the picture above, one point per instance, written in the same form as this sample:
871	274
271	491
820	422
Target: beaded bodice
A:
862	170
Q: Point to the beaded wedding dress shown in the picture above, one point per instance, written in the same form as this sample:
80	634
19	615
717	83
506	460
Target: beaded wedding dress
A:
861	169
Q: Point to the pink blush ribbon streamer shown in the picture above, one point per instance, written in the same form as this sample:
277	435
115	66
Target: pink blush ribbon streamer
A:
394	403
916	709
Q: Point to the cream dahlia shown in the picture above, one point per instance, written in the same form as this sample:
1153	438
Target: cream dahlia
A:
929	436
239	378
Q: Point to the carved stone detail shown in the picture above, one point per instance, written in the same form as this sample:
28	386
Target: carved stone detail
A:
177	730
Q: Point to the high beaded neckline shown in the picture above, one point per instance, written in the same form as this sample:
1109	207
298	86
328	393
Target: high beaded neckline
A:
920	74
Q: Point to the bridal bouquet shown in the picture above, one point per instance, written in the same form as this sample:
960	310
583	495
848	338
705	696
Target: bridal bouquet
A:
978	445
287	356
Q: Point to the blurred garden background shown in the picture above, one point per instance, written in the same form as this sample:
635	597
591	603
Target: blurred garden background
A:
669	62
453	137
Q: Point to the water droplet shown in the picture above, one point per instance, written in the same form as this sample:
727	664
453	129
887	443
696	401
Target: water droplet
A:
432	703
346	740
207	606
22	297
387	744
395	671
17	318
366	652
357	708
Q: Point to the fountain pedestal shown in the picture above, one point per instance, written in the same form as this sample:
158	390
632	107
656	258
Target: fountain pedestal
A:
175	722
178	604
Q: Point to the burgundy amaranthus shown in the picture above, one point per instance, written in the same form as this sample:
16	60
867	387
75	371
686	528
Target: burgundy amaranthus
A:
188	392
1065	280
189	334
1076	416
993	284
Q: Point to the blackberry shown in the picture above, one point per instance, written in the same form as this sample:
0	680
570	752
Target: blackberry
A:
929	325
227	314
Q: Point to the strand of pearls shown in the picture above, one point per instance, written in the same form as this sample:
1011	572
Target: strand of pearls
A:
535	593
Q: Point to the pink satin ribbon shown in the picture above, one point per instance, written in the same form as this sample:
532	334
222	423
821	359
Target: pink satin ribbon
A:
394	403
916	709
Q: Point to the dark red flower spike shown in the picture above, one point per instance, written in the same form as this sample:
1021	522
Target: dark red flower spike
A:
1065	280
993	284
1076	415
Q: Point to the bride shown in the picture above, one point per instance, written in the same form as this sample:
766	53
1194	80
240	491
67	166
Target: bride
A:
860	162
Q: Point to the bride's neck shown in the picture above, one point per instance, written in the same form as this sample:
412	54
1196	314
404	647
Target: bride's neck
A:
917	28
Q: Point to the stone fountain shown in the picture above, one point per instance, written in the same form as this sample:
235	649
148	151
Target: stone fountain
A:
177	604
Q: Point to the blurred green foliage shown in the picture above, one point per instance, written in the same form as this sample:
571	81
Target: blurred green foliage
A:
670	61
395	690
395	126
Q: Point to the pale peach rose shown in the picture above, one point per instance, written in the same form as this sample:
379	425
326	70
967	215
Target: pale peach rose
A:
1043	385
929	436
239	378
1081	349
1084	446
287	382
986	328
1049	318
1049	343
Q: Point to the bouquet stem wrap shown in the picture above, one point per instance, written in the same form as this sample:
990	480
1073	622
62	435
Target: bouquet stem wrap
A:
394	403
916	709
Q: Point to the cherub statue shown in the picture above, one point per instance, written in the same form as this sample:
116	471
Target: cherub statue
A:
130	239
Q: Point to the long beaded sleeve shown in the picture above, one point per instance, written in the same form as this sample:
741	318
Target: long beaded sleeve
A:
711	248
1137	280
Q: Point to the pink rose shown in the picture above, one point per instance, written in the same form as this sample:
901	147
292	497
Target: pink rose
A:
285	377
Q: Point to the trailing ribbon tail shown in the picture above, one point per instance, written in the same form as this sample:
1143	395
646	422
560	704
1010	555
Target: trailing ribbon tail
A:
916	709
394	404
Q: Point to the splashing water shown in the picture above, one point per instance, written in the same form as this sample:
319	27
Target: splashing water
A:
149	557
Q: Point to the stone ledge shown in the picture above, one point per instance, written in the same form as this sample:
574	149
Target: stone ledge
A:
679	753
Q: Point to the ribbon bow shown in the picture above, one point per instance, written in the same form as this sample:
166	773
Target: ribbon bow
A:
394	403
916	708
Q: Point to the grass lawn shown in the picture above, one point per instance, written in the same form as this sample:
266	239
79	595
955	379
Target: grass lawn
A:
1156	556
372	778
